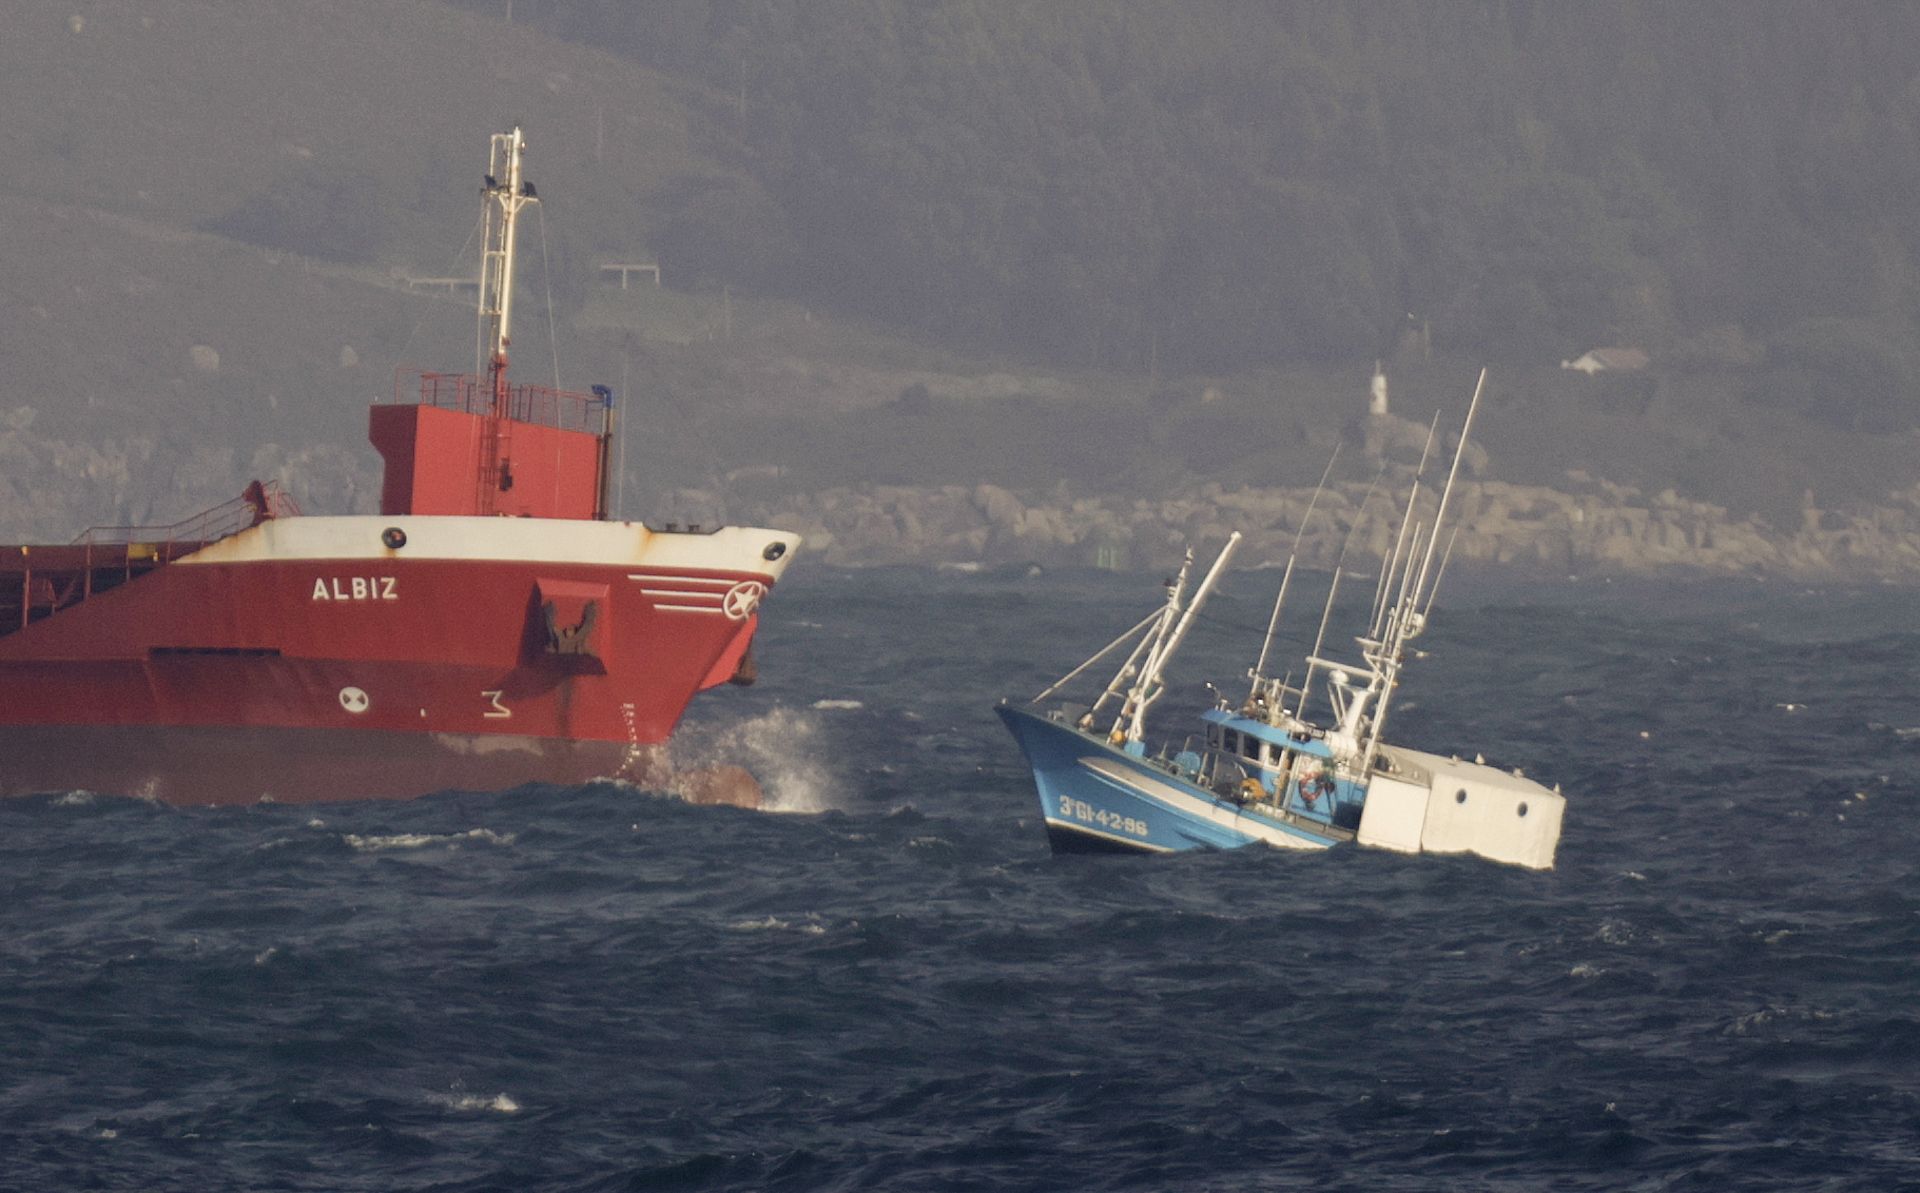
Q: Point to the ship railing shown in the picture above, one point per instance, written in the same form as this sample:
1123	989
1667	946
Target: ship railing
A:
561	409
262	501
104	557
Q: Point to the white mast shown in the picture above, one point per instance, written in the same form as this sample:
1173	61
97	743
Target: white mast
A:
1446	495
1413	499
1149	647
1148	687
1409	616
503	195
1299	534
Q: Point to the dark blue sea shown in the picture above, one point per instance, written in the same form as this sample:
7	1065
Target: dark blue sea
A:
891	984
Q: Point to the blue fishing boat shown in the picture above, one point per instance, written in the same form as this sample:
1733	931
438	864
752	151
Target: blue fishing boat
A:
1270	769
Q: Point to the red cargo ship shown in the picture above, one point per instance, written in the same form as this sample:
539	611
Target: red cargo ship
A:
490	627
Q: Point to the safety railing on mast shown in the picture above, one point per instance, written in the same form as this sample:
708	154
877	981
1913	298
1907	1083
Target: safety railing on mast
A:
541	405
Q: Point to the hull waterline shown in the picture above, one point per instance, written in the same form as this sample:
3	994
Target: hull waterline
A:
213	766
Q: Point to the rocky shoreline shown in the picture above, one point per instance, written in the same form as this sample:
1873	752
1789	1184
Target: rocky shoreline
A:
1589	527
1597	528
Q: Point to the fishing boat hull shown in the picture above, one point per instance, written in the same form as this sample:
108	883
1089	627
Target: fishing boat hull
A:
1263	772
1098	798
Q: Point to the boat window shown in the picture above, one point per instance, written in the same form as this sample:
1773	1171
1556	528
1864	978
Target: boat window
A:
1232	739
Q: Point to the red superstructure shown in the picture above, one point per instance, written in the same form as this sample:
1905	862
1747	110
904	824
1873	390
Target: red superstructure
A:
489	627
542	456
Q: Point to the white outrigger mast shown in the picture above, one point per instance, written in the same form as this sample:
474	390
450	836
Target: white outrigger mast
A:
1403	599
1146	665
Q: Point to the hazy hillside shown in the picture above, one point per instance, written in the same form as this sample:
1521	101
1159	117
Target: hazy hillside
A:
1127	247
1222	184
346	137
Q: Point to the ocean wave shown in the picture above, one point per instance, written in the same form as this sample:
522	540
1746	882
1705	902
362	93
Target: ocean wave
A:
911	992
808	926
500	1103
374	844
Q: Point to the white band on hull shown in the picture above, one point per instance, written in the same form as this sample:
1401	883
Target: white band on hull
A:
1198	808
529	540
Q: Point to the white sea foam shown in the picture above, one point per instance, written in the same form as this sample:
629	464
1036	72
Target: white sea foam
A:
74	799
461	1100
1742	1025
810	926
422	840
1615	932
780	747
837	704
265	955
394	841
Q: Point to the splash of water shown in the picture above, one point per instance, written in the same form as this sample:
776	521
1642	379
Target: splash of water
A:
781	747
459	1099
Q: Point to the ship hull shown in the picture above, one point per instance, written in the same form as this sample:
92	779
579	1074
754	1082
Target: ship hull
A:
308	659
196	765
1097	798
